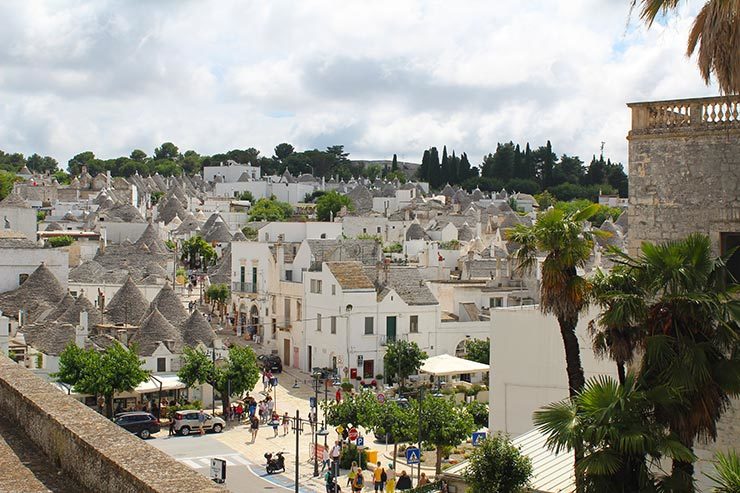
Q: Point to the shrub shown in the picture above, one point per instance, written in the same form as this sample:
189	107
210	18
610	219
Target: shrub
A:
60	241
393	248
479	410
497	466
349	453
449	245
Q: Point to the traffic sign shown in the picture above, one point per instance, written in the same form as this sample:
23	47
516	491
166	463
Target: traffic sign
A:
360	441
312	402
353	434
340	429
478	437
381	398
412	455
218	470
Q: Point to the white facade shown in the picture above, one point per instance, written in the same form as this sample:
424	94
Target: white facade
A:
293	193
389	231
17	263
231	172
19	219
528	365
296	232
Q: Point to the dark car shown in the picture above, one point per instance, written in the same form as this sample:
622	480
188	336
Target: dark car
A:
138	423
270	362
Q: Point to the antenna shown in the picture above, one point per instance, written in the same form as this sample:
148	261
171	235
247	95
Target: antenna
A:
602	148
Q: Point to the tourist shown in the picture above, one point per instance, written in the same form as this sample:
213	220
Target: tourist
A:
336	451
263	411
268	376
239	411
379	478
325	459
423	480
352	474
201	422
254	427
274	422
358	482
390	482
286	423
270	405
404	482
252	407
265	381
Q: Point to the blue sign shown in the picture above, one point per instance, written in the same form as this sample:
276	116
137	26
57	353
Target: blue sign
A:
312	402
478	437
360	441
412	455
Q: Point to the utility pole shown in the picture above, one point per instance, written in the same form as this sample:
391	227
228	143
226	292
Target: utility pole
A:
421	403
314	423
297	429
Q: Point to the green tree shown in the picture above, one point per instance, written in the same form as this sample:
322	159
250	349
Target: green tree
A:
197	252
219	295
138	155
168	150
478	350
395	423
689	314
270	210
443	424
616	428
394	163
75	164
715	36
563	292
601	213
283	150
497	466
480	412
238	374
7	182
545	200
358	409
372	171
62	177
115	370
330	203
38	164
402	358
246	195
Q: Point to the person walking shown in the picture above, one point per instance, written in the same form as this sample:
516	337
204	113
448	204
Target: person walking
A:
270	406
390	482
172	427
325	459
263	411
352	474
379	478
358	483
265	381
286	424
268	376
274	422
201	422
254	427
336	451
423	480
252	407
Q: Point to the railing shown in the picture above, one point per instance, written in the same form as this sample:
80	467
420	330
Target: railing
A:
685	114
243	287
386	339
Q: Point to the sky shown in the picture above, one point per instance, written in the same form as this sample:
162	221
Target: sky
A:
379	77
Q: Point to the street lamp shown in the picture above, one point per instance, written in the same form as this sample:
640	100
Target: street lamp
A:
316	376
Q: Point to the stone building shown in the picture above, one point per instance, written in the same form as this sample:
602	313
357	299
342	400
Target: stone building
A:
684	177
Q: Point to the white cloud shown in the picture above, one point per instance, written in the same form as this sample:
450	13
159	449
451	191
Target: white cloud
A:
379	77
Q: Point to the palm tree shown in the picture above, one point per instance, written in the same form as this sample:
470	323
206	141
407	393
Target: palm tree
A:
614	425
727	477
617	333
716	34
563	292
692	341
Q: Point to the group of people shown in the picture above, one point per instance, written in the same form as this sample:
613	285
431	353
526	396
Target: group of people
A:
383	479
269	381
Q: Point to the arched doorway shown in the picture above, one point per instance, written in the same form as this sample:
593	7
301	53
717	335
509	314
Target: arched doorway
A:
254	327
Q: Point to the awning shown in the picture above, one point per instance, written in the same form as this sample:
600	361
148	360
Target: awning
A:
446	364
169	382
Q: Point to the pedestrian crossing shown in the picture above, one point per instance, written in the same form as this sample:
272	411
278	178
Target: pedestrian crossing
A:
201	462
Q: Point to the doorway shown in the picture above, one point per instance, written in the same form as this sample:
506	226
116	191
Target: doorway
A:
286	352
390	329
310	359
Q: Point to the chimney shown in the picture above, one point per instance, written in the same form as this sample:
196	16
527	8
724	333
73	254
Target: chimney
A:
122	336
81	331
4	334
170	344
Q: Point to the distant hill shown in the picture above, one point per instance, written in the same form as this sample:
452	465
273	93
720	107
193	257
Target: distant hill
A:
408	168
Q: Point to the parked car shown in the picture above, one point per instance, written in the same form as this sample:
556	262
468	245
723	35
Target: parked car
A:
270	362
325	373
186	422
138	422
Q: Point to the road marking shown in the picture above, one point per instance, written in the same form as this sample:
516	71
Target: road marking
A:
205	461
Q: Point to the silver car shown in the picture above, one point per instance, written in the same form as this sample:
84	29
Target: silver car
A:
186	422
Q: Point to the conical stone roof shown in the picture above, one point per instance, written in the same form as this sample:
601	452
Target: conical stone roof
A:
61	307
196	330
128	305
150	238
14	201
170	306
41	290
219	233
72	314
154	329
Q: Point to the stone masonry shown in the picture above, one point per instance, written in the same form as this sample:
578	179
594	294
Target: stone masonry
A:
684	177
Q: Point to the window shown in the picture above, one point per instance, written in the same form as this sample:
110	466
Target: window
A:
316	286
333	324
318	322
414	323
364	231
22	278
161	364
289	275
286	309
378	229
496	302
333	289
323	236
368	325
298	306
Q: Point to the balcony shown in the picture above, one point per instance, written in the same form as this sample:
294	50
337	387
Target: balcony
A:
685	115
243	287
387	339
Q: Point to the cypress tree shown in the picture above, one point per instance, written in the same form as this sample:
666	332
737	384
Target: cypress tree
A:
394	165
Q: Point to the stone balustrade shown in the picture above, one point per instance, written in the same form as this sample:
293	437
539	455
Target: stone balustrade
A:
699	114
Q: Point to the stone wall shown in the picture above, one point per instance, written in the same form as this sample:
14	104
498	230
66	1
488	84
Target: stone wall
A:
92	450
684	177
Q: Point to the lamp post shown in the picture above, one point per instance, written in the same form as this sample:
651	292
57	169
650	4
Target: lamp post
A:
213	382
312	419
421	403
